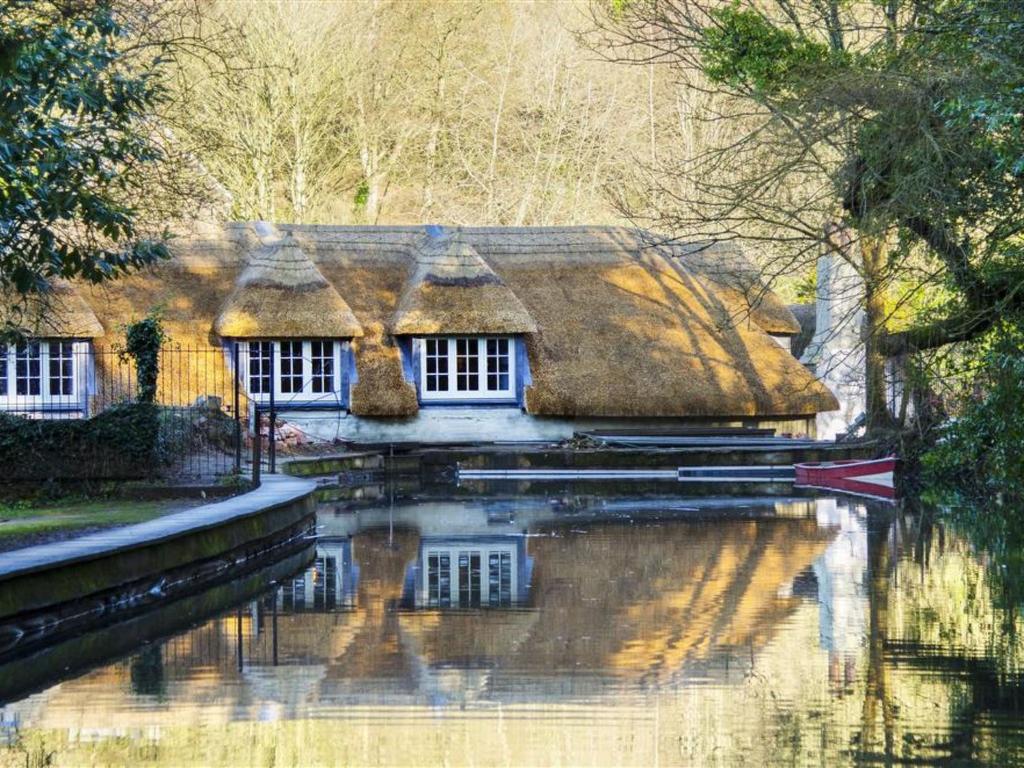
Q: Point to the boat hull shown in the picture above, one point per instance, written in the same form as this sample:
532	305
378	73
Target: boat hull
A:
875	478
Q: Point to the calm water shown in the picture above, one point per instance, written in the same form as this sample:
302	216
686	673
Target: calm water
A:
559	628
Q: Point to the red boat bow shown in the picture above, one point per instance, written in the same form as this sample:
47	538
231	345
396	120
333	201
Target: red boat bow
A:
873	477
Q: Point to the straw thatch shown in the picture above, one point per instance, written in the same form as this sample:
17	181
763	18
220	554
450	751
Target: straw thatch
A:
281	294
59	313
621	328
738	281
453	290
382	389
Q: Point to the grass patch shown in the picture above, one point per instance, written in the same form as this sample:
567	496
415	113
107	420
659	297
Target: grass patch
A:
24	523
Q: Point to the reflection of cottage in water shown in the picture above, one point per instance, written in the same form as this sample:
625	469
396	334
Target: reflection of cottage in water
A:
469	572
490	610
328	584
841	572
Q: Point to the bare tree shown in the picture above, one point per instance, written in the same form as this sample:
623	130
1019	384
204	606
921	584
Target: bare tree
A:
789	110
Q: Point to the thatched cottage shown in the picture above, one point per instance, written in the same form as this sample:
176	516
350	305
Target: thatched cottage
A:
437	334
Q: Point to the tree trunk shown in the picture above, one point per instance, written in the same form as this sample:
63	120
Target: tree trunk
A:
875	401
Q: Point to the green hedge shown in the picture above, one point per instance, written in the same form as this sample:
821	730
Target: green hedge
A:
121	443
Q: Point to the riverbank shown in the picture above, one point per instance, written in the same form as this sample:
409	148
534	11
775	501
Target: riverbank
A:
124	568
26	524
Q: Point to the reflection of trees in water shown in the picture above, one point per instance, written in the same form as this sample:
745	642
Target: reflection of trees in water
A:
937	618
877	693
147	671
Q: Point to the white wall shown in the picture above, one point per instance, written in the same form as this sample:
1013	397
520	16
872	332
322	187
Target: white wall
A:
836	353
453	424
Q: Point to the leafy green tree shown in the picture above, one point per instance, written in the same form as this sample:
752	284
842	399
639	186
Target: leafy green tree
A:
76	144
981	453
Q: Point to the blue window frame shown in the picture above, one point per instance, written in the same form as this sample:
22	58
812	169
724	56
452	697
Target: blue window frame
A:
467	369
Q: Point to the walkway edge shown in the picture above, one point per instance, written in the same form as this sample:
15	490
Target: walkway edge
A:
201	532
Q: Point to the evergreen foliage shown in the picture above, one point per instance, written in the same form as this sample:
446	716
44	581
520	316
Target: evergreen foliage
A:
121	443
74	145
980	455
143	340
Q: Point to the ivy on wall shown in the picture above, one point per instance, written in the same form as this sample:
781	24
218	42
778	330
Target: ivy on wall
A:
143	340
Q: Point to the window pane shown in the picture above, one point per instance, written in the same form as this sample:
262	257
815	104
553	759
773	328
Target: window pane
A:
3	369
291	366
439	593
322	358
436	361
28	369
467	365
469	579
259	367
61	374
498	354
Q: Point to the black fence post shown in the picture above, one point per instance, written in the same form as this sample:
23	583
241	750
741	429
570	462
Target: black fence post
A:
257	441
271	448
238	416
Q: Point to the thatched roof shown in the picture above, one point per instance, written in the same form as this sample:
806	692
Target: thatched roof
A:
738	281
622	329
58	313
453	290
281	294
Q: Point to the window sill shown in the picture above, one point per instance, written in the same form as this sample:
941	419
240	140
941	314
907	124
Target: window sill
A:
299	405
41	408
466	403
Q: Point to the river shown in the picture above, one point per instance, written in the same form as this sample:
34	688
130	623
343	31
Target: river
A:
554	625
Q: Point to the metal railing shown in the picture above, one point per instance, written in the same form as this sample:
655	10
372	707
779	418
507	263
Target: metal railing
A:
202	405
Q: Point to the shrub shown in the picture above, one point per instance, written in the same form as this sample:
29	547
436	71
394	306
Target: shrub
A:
981	454
121	443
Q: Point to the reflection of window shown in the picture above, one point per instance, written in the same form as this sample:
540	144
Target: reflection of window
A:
468	368
439	586
325	583
500	579
469	577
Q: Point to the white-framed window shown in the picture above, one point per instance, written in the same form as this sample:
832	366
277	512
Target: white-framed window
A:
467	368
42	373
306	371
468	576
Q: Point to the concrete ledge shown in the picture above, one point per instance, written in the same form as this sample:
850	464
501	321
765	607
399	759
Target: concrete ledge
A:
432	460
329	464
38	577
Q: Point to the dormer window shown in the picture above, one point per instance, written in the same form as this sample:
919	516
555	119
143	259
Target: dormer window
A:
467	368
300	371
43	375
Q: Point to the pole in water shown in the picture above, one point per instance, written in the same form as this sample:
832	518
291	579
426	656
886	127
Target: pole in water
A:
391	496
